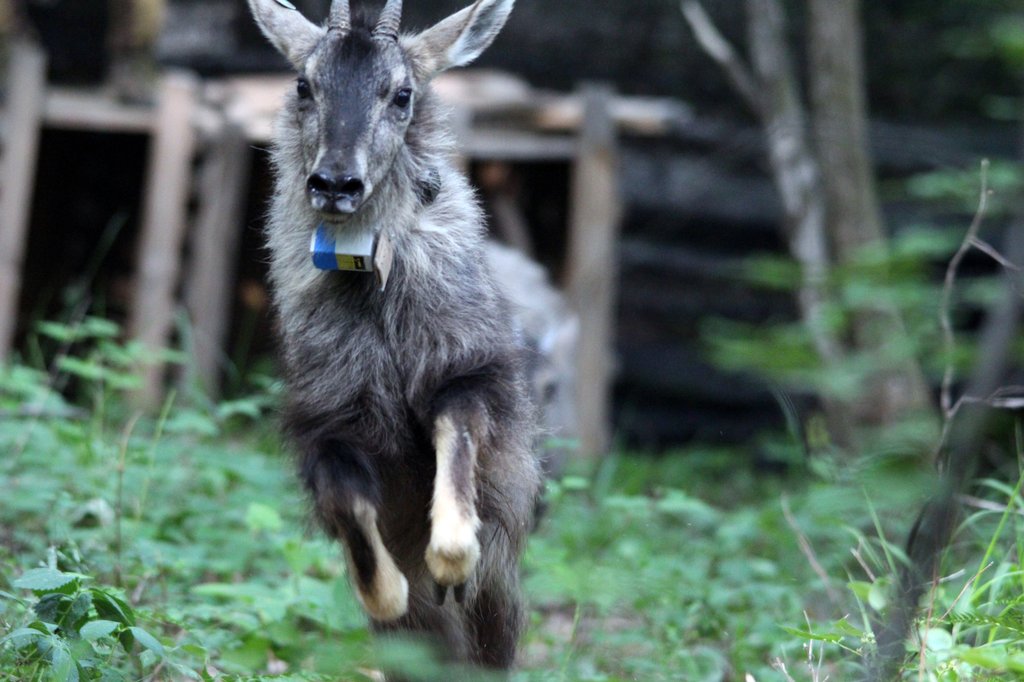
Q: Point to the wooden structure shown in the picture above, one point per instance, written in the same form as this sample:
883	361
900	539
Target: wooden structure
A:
593	238
164	223
502	119
26	87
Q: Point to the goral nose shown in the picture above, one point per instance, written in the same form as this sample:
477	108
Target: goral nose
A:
330	193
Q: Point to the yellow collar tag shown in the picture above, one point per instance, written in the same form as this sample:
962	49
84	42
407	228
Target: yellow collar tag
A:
333	248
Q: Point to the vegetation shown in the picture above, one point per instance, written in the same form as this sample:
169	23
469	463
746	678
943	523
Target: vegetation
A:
178	548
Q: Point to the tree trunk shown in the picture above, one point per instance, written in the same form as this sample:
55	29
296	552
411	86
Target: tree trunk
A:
798	177
854	219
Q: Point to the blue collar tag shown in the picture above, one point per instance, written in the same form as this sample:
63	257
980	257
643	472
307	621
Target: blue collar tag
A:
337	249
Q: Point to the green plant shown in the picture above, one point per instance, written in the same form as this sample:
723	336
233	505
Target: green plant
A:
79	633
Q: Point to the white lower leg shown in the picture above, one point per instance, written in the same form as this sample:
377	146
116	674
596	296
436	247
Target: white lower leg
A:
387	596
454	549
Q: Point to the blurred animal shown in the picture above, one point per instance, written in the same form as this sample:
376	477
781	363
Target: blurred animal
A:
407	403
551	331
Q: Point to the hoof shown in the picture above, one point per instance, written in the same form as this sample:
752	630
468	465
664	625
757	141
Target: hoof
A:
451	557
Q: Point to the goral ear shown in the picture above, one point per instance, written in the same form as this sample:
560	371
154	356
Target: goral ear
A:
459	39
292	34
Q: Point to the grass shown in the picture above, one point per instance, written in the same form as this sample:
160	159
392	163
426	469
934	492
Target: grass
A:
178	547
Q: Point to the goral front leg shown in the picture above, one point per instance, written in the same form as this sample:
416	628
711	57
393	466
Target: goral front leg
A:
382	589
343	487
454	549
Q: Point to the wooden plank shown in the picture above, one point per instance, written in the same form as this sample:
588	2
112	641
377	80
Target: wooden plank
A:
495	95
214	252
164	223
26	87
494	99
92	110
595	212
513	145
648	116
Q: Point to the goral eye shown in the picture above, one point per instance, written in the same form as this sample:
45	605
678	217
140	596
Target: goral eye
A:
303	89
402	98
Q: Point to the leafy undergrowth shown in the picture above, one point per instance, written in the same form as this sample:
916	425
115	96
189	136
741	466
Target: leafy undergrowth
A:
177	547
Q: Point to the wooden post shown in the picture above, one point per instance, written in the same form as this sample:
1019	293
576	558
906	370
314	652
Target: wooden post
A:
215	240
592	269
26	90
164	223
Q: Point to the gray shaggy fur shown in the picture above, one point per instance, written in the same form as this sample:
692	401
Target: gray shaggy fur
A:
370	373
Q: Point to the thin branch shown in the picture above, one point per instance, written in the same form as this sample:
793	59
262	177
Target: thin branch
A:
949	338
780	665
967	586
808	552
986	505
991	252
718	48
863	564
1005	398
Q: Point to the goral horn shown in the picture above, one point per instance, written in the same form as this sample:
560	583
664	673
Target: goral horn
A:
341	16
390	19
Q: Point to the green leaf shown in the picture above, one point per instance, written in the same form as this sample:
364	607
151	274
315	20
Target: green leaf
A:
12	597
678	503
78	613
147	640
234	408
44	580
1006	36
860	588
844	627
100	328
185	672
83	369
51	606
196	650
22	636
97	629
299	554
984	657
575	483
111	608
56	331
260	517
938	639
878	596
63	666
191	422
816	636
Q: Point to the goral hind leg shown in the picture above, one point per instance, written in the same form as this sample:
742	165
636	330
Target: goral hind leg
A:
454	549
